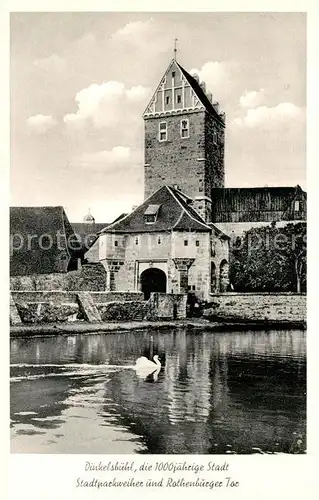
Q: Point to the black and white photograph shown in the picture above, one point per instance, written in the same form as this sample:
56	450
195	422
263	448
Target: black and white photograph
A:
158	233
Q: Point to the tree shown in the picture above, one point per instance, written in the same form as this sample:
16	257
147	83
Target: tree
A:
270	259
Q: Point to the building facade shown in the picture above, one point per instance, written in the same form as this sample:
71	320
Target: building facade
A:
178	239
164	246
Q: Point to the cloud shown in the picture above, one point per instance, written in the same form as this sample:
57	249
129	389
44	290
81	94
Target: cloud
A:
140	40
134	30
271	116
137	93
251	99
106	104
221	78
117	157
40	124
52	63
213	73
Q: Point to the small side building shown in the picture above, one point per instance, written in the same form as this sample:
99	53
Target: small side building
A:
42	241
87	232
164	245
236	210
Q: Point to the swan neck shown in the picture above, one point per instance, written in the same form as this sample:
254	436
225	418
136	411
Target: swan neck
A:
157	362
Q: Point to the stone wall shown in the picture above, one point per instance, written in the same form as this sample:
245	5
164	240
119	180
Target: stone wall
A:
164	307
105	297
46	307
133	310
91	277
174	161
272	307
194	164
199	271
234	229
62	306
214	152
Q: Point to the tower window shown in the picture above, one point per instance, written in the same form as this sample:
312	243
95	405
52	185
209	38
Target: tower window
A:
297	206
136	240
163	131
197	243
179	98
159	241
116	243
185	243
167	99
184	129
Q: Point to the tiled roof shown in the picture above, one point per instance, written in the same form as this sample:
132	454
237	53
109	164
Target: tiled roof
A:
40	237
201	95
87	233
174	214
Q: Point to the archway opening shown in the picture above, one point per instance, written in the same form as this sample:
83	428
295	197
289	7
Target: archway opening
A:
153	280
213	278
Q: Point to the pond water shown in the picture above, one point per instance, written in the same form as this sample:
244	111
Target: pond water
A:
216	393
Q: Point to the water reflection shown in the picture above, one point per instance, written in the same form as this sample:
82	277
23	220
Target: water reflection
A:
216	393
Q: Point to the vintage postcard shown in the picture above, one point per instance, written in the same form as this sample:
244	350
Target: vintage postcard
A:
158	252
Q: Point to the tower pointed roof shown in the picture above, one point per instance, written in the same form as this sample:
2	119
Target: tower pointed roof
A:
179	92
209	106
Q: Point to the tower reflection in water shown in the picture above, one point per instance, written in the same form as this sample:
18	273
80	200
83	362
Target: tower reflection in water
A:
222	393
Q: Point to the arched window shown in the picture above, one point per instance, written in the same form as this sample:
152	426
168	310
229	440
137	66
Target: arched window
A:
213	278
223	276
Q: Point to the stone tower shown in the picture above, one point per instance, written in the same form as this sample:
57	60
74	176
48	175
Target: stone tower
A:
184	139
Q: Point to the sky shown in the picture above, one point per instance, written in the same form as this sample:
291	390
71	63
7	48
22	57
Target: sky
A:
80	83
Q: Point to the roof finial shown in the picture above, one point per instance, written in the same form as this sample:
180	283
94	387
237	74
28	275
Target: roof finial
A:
175	47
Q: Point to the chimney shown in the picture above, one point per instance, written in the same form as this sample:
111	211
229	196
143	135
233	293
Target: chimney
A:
203	86
209	96
196	77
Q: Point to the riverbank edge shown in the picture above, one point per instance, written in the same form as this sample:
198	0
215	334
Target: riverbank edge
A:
41	330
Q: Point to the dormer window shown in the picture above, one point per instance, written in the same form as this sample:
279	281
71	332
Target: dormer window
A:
184	129
173	74
151	213
178	98
167	99
162	131
150	219
297	206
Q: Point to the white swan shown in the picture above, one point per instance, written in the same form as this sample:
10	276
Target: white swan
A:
145	367
143	362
